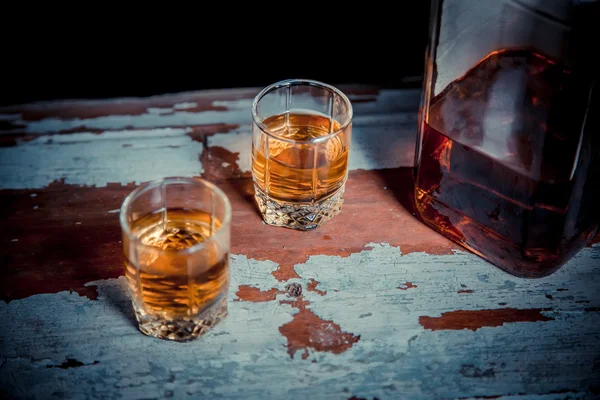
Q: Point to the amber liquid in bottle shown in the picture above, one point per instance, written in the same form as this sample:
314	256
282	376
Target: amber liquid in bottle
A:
504	167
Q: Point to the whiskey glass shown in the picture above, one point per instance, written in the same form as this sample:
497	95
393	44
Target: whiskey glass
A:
176	242
300	143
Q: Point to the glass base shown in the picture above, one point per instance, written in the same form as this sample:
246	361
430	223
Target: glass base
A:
181	330
299	216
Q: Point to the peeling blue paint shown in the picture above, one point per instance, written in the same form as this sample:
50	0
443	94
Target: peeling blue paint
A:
246	356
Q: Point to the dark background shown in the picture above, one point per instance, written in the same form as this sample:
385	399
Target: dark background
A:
368	46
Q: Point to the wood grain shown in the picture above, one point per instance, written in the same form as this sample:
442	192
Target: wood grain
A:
307	331
475	319
81	235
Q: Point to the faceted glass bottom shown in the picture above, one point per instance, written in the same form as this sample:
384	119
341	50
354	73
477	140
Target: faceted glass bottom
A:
299	216
181	330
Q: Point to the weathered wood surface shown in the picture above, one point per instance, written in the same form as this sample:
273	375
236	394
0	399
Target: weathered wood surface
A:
371	305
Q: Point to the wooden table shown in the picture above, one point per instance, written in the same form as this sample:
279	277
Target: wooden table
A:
371	305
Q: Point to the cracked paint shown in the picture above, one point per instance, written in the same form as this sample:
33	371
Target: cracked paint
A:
391	354
307	331
476	319
370	305
312	287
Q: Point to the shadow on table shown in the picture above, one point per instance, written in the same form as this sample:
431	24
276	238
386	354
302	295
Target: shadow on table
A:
244	189
401	182
118	300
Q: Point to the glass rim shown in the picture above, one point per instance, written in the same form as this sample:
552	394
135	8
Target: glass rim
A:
146	186
301	82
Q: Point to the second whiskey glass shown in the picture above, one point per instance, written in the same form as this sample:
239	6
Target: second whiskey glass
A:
300	144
